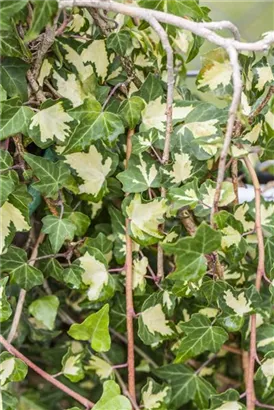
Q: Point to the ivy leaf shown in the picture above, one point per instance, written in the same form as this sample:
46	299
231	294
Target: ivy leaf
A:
200	336
72	362
9	44
13	77
130	110
119	42
229	399
11	369
191	263
5	308
50	266
52	175
51	123
186	385
7	186
141	174
102	368
112	399
94	124
80	220
44	310
73	276
239	302
153	325
15	118
154	396
186	8
95	329
15	262
96	53
186	195
42	14
58	230
93	168
8	10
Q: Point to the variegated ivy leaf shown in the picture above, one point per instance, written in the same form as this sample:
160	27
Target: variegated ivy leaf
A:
15	262
189	8
7	187
153	325
44	72
186	195
11	369
51	123
143	141
44	310
216	73
239	302
145	218
199	336
207	192
142	173
72	362
112	399
96	53
12	220
52	175
131	109
240	214
253	135
70	88
119	42
58	230
15	118
229	400
102	368
190	253
269	255
95	273
78	23
155	396
94	125
263	74
265	374
5	308
185	385
139	272
95	329
93	168
42	14
265	338
154	114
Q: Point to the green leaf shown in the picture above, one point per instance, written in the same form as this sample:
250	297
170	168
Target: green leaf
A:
229	399
130	110
11	369
44	310
186	8
112	399
52	175
14	261
15	118
200	336
95	329
102	368
191	263
81	221
119	42
58	230
142	173
186	385
72	362
9	401
13	77
42	15
9	44
7	186
5	308
8	10
94	125
73	276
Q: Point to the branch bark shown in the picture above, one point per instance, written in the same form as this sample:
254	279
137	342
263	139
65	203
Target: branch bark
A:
129	293
85	402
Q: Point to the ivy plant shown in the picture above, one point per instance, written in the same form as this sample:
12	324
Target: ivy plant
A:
134	276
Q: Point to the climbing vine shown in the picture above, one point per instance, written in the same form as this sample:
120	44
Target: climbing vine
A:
135	275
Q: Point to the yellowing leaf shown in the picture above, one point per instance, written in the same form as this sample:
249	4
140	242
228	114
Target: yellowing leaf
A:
11	215
216	74
181	169
155	321
91	169
95	275
139	272
239	304
102	368
253	135
145	218
52	123
96	53
77	23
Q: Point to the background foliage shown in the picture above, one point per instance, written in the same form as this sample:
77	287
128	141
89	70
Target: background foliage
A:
74	85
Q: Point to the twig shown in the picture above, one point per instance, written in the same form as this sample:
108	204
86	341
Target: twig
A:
237	90
209	360
22	293
232	349
45	375
265	406
234	177
250	391
262	104
129	293
114	89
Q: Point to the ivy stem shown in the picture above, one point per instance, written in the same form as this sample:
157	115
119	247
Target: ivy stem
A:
250	391
209	360
129	293
45	375
22	293
234	176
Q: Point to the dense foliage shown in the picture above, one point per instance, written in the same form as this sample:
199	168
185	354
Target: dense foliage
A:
81	90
